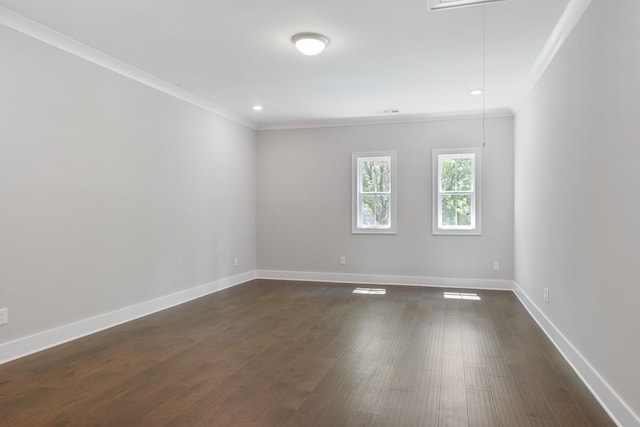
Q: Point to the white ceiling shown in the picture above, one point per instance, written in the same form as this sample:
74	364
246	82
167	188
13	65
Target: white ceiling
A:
383	54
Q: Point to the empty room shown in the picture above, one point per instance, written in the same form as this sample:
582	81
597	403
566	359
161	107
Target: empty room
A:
319	213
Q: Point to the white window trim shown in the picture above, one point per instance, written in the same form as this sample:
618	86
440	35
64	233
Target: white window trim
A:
477	193
393	196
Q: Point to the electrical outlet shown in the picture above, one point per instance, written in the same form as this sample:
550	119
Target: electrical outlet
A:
236	262
4	316
496	265
343	260
546	294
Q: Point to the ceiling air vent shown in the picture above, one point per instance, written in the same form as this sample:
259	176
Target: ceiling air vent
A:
387	111
449	4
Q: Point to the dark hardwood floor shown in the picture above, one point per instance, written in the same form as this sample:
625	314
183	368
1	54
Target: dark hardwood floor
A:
274	353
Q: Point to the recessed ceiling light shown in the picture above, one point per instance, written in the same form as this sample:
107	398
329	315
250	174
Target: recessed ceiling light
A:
476	92
310	43
257	107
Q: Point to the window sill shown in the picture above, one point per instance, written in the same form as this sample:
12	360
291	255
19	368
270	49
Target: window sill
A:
372	231
456	233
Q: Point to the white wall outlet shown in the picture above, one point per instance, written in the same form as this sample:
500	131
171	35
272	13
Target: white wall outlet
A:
343	260
496	265
546	294
4	316
236	262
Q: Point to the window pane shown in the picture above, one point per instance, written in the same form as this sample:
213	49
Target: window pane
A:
456	210
375	175
375	211
456	174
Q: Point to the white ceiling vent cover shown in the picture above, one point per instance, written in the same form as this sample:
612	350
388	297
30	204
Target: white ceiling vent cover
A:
449	4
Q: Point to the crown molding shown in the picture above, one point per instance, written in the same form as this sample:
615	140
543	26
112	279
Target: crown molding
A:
45	34
567	22
387	119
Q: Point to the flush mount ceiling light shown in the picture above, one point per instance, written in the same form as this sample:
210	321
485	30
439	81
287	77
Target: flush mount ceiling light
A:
476	92
310	43
449	4
257	108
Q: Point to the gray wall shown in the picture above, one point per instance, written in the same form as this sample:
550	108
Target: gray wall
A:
304	201
111	193
576	206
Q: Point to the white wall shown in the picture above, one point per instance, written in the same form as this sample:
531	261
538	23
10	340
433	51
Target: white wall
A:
576	206
304	201
111	193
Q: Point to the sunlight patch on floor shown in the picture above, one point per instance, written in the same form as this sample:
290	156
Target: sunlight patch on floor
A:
461	295
370	291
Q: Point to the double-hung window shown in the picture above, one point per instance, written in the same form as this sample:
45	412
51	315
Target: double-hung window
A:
374	193
456	191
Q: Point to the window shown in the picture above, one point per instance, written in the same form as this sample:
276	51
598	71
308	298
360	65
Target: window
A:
374	188
456	191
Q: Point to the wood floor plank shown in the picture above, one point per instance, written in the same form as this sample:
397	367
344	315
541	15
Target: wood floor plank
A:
542	422
276	353
411	408
453	399
480	408
476	378
570	415
509	407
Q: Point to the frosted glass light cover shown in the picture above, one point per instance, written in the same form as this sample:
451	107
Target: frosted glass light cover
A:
310	43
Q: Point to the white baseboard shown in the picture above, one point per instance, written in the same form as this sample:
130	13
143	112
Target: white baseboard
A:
616	407
379	279
21	347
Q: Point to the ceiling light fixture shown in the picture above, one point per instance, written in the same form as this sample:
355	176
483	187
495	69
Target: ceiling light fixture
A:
476	92
257	107
310	43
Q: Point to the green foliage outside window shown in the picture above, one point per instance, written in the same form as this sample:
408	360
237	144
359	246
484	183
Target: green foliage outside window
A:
456	210
375	178
456	176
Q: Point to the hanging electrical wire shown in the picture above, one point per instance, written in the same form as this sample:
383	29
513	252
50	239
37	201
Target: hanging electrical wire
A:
484	70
